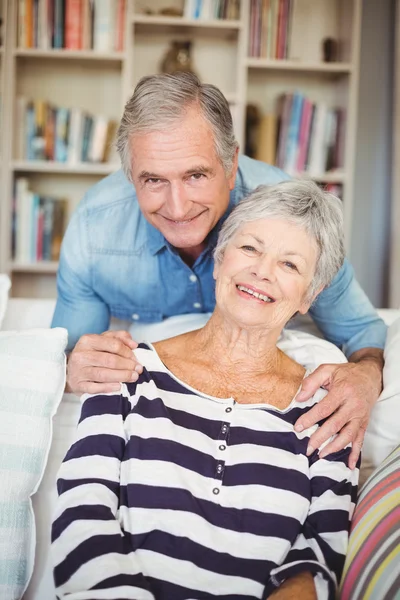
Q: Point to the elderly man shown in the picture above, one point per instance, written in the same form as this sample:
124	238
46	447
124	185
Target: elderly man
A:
140	245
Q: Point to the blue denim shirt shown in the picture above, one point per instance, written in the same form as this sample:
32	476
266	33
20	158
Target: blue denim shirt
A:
114	263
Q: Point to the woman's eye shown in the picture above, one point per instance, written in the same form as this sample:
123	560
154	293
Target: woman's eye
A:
249	248
290	265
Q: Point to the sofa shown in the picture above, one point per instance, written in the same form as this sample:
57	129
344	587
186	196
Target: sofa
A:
25	315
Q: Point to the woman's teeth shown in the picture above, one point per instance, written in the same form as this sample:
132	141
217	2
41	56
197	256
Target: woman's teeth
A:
242	288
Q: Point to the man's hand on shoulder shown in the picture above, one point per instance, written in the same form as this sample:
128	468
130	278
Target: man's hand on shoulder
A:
99	363
353	388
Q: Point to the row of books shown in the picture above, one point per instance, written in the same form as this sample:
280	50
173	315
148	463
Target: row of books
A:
334	188
270	26
61	134
302	136
37	226
72	24
212	9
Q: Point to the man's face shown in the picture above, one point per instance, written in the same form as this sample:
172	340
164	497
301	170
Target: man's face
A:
180	183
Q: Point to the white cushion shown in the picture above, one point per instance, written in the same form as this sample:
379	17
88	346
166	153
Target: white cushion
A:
32	380
5	285
383	433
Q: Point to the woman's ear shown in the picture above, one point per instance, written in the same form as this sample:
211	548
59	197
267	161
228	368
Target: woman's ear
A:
305	305
216	270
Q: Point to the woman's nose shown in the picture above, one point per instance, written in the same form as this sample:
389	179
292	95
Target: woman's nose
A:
265	268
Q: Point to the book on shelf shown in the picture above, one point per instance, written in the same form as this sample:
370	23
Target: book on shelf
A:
211	9
302	137
38	224
60	134
270	28
97	25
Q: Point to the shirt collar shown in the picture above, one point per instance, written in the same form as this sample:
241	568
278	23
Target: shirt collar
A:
155	239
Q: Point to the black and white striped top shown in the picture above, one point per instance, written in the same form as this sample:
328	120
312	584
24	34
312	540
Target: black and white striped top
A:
171	494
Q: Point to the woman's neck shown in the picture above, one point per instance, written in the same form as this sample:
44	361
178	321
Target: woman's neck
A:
251	350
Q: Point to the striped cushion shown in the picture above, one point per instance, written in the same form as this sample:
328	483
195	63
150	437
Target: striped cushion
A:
372	569
32	380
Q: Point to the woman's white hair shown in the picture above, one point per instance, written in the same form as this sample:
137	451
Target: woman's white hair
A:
160	101
304	204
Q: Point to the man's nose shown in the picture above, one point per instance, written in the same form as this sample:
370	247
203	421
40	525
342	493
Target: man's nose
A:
179	204
265	268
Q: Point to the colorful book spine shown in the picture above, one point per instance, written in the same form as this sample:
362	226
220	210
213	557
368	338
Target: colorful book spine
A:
293	132
73	24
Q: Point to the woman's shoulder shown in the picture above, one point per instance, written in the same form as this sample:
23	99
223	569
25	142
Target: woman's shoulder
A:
308	350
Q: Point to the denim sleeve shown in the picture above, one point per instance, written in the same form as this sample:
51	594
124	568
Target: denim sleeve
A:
79	309
346	317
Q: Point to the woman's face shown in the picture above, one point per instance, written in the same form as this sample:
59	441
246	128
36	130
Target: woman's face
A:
265	273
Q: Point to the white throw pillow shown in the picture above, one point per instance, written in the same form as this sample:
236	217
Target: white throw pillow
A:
383	433
5	285
32	380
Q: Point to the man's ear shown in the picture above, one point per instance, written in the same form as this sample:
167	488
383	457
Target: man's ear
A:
305	305
232	176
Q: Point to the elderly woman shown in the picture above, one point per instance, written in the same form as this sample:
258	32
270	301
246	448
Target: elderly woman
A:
193	483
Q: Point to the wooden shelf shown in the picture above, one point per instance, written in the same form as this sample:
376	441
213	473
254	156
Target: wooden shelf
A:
43	267
70	54
147	22
38	166
291	65
328	177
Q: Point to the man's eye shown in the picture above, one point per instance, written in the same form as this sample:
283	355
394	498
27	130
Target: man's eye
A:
197	176
153	180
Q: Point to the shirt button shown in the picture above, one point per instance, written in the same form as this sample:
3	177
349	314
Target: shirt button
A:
229	409
197	305
135	317
222	447
216	491
193	278
224	429
219	468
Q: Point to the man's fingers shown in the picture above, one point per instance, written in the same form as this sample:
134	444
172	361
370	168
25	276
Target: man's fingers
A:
107	361
124	336
346	436
331	427
356	449
321	377
104	343
320	411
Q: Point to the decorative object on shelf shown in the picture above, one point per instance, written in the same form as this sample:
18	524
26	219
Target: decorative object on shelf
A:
168	11
178	57
330	50
252	123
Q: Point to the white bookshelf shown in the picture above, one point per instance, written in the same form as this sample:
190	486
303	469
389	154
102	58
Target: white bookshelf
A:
102	82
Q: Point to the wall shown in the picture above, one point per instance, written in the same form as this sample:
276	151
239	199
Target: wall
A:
369	252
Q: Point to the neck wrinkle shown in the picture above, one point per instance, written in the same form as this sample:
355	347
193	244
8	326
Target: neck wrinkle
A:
251	351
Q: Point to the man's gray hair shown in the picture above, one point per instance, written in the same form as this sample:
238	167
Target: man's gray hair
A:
159	101
304	204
